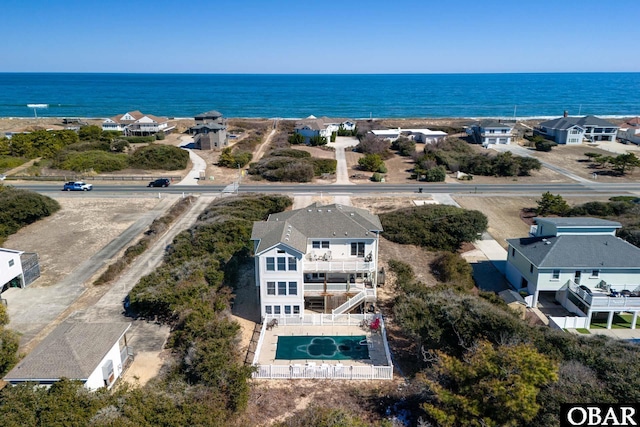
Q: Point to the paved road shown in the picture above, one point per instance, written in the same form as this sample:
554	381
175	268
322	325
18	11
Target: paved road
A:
102	190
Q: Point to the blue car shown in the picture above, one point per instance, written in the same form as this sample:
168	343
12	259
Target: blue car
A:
77	186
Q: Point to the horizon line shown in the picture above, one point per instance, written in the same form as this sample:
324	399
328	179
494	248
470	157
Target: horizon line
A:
321	74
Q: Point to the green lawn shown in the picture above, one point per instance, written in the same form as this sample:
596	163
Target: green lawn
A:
620	321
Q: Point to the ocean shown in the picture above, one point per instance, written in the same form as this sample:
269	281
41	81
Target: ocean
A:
344	95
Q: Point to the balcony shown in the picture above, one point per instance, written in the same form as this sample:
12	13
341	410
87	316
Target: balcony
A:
601	299
311	289
342	266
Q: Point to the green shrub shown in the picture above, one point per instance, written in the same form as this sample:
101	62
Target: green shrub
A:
371	163
40	143
333	136
544	145
140	139
296	139
436	174
98	161
405	146
450	268
317	140
160	136
9	162
290	152
156	156
21	208
229	159
437	227
377	177
322	166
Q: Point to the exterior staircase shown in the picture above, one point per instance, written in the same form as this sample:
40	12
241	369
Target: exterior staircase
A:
365	295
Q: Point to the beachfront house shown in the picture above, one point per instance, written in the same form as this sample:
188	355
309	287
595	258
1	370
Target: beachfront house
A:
574	130
135	123
490	131
319	258
18	269
96	354
580	263
425	136
312	127
210	131
630	131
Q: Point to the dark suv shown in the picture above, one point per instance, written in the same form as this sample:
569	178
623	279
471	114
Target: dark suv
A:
160	182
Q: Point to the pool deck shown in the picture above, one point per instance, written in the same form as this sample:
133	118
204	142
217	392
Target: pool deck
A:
377	355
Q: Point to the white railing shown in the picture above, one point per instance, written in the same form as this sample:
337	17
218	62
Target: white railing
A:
349	304
319	319
333	287
336	372
256	355
338	266
602	300
568	322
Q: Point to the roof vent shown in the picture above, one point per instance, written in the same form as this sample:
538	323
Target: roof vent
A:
546	242
334	233
351	214
345	233
286	240
328	210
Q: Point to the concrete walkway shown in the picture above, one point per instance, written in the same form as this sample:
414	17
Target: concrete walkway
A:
34	308
342	171
197	162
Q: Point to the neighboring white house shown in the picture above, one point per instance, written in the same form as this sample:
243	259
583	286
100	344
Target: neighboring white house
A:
10	269
630	131
18	269
134	123
489	131
581	262
312	127
316	258
94	353
573	130
425	136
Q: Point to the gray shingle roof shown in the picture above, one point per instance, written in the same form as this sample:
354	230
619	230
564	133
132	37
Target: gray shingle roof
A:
211	126
578	251
72	350
492	123
209	115
564	123
579	221
314	221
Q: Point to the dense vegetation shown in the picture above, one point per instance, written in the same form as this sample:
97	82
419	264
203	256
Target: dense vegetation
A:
372	163
625	210
481	365
22	207
156	156
8	162
9	342
288	164
436	227
456	155
207	384
40	143
230	159
614	165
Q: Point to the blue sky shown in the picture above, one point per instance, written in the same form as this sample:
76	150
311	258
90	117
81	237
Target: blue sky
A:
282	36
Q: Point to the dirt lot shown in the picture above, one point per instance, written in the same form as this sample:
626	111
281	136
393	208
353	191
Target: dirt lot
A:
72	235
504	213
573	159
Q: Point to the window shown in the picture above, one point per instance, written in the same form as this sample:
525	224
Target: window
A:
315	245
282	263
530	268
595	274
357	249
296	309
282	288
276	309
267	309
325	244
513	251
555	275
287	309
11	263
293	288
280	251
292	263
271	288
271	264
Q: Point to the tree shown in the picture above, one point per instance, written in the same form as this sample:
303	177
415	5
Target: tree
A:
318	140
625	163
296	139
527	164
371	144
435	174
544	145
371	163
405	146
552	205
490	386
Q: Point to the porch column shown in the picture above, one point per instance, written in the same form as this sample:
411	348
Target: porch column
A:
587	323
535	298
610	319
634	319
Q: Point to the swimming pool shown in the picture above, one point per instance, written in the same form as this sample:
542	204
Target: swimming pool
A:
322	347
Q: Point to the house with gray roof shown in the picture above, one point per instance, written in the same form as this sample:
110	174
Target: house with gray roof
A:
321	258
491	131
574	130
95	353
579	261
210	131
